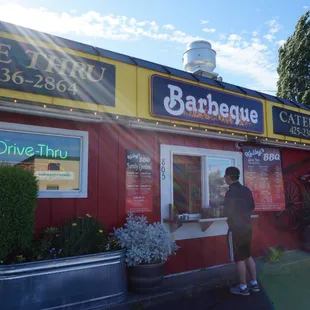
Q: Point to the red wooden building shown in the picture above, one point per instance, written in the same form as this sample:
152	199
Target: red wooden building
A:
96	128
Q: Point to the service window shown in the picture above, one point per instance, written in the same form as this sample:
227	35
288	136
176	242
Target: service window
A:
58	158
192	180
187	183
217	187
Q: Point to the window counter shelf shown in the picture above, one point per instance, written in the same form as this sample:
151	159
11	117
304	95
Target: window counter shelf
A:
176	224
207	222
168	221
204	223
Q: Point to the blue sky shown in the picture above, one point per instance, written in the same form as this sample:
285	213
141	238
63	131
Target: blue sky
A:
245	34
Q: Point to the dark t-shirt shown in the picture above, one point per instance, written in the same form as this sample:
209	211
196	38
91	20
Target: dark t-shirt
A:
238	206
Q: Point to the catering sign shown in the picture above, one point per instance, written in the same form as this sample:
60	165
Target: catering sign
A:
290	123
32	69
182	101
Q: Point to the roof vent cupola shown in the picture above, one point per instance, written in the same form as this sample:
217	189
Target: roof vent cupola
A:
199	58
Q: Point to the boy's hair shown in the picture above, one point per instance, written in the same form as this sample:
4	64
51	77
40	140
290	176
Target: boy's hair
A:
233	173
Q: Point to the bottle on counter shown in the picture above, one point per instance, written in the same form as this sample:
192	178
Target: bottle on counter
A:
171	212
175	212
222	211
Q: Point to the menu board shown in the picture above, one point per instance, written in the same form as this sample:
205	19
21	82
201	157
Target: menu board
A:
263	175
139	181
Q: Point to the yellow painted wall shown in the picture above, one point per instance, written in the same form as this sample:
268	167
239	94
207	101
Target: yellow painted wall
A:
132	96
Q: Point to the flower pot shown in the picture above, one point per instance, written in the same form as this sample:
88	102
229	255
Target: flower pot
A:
146	278
75	283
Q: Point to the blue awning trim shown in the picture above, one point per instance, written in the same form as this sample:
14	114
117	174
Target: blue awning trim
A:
206	80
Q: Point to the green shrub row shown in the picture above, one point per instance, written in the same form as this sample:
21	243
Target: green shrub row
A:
18	198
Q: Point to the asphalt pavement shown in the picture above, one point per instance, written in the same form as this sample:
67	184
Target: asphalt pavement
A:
217	299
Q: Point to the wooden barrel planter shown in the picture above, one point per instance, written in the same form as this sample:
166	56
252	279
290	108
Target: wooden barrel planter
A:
146	278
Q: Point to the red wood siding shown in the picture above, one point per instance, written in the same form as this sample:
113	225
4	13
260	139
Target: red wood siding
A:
106	189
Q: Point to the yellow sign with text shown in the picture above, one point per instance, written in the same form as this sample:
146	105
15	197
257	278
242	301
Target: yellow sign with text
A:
40	72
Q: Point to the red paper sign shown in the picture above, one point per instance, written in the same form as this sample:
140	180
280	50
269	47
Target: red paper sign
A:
139	182
263	175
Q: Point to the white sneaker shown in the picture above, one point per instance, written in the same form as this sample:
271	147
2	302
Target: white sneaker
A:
237	290
254	288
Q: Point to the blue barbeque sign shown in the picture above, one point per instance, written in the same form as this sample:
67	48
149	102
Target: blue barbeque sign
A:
181	101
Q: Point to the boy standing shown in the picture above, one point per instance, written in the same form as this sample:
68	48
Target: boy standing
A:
238	206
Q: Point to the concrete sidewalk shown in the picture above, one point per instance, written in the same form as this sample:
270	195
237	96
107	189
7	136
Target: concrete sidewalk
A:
287	284
217	299
204	289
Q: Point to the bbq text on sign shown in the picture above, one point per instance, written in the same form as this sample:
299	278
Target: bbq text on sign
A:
37	70
186	102
290	123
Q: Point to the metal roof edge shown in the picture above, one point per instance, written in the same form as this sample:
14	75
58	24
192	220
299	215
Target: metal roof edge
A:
82	47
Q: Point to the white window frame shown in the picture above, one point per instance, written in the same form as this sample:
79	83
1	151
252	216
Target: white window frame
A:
83	135
190	231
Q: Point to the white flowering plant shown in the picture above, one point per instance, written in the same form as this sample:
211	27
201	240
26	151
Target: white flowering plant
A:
145	243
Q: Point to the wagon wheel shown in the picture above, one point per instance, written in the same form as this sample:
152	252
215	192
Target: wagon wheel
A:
293	195
306	194
289	219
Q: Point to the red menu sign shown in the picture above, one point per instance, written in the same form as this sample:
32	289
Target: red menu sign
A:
139	181
263	175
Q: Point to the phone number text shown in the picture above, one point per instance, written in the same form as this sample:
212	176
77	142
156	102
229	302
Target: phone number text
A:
297	131
39	81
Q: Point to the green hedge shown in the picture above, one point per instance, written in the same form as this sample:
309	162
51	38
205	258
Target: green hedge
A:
18	196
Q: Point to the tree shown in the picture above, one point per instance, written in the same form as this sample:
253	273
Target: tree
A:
294	64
